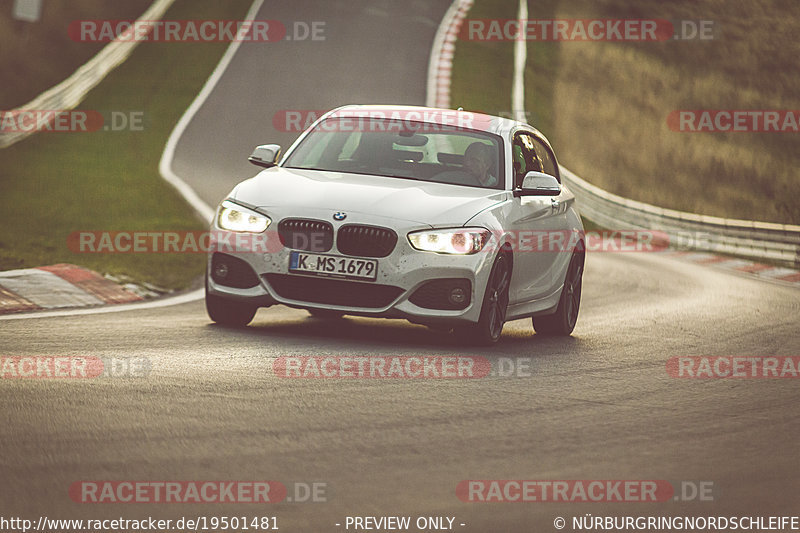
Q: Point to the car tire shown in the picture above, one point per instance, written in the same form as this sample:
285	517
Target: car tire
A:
494	307
228	312
563	321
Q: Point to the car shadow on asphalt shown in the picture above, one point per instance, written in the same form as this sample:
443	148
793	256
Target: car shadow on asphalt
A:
367	334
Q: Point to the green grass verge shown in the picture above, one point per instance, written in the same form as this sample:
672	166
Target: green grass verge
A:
613	100
483	70
53	184
540	69
604	105
27	60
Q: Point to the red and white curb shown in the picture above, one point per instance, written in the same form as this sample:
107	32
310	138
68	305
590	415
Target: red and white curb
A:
58	286
781	275
440	68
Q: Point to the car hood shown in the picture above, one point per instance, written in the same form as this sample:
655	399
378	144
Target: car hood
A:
437	204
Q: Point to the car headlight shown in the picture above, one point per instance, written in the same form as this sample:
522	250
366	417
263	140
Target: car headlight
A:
233	217
462	241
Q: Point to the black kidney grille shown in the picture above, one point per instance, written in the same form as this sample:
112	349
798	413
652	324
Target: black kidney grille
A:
365	241
308	235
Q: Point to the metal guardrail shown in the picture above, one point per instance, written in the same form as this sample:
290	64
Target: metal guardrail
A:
70	92
779	243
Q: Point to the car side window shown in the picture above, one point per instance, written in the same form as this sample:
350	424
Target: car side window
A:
545	156
525	158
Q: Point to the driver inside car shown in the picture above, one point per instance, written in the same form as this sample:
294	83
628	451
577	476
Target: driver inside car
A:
478	161
475	169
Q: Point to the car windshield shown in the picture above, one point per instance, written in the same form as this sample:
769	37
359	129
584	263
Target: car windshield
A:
402	149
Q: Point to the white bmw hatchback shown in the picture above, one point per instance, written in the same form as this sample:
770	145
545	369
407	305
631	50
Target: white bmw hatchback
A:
452	219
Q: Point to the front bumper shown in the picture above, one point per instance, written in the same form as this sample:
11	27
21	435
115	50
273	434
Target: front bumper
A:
399	276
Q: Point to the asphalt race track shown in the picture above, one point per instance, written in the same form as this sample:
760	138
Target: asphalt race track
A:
599	405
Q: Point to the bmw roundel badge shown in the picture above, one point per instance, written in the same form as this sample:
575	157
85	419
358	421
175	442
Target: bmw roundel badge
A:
339	215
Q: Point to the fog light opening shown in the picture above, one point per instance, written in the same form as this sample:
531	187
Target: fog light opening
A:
221	270
458	295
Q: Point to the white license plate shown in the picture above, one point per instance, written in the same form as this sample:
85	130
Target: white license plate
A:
333	265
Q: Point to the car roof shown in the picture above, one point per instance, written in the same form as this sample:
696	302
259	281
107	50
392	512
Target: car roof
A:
440	116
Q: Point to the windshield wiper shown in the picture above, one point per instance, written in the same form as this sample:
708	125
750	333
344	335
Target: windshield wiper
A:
314	168
359	173
399	177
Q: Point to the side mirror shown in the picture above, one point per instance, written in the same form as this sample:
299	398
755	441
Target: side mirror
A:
265	155
539	184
